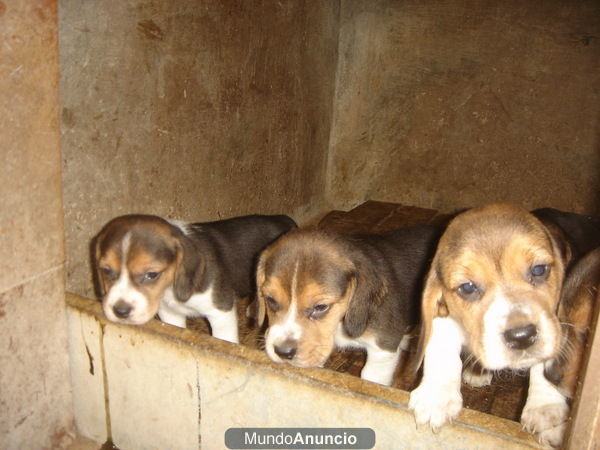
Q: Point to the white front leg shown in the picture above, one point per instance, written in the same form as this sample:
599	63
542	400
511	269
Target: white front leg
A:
380	366
224	324
546	410
438	400
168	315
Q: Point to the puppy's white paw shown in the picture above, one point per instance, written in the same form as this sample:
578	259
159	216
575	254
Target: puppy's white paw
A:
477	380
554	436
435	405
547	421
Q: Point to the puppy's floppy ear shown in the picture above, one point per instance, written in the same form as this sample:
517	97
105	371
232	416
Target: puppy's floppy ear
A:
432	306
560	242
190	269
366	290
260	279
98	280
563	255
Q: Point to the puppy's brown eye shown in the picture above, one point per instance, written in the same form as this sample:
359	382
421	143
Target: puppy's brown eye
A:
539	273
272	303
108	272
318	311
469	291
150	277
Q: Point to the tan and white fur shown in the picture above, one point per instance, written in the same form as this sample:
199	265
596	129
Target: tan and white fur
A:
147	265
323	291
492	291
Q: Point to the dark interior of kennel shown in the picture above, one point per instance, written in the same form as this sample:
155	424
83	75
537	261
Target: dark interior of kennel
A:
503	398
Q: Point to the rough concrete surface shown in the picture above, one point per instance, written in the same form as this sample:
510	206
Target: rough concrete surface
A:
87	375
35	394
205	110
449	104
152	390
31	213
222	385
193	110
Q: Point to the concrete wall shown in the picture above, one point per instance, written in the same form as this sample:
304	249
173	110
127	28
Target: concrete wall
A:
205	110
35	394
121	375
447	104
202	110
197	110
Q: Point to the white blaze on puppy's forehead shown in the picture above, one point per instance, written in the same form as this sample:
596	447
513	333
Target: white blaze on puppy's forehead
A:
290	322
288	328
122	284
294	285
494	323
125	248
124	291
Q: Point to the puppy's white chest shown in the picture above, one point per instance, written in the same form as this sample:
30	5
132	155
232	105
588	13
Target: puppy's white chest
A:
223	323
380	364
197	305
342	340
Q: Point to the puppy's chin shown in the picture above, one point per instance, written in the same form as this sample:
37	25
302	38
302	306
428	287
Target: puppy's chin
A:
500	356
494	352
306	364
313	360
303	359
138	315
515	360
314	353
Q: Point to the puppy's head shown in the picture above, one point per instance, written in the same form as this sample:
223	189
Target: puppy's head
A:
308	283
137	258
498	273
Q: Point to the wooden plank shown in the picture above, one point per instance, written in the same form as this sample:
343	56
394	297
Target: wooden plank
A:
585	428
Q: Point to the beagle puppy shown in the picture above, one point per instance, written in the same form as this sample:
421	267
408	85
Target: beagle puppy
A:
323	290
492	290
147	265
576	311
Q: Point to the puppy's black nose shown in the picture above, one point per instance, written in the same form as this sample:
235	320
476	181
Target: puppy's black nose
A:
122	309
521	337
287	350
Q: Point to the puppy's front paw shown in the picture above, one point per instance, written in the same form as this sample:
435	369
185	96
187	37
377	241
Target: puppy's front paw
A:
477	379
547	421
554	436
435	405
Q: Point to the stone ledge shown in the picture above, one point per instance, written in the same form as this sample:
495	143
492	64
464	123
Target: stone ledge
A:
231	385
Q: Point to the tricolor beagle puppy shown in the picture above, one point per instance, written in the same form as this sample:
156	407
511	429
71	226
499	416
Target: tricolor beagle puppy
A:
322	290
148	265
492	290
577	310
